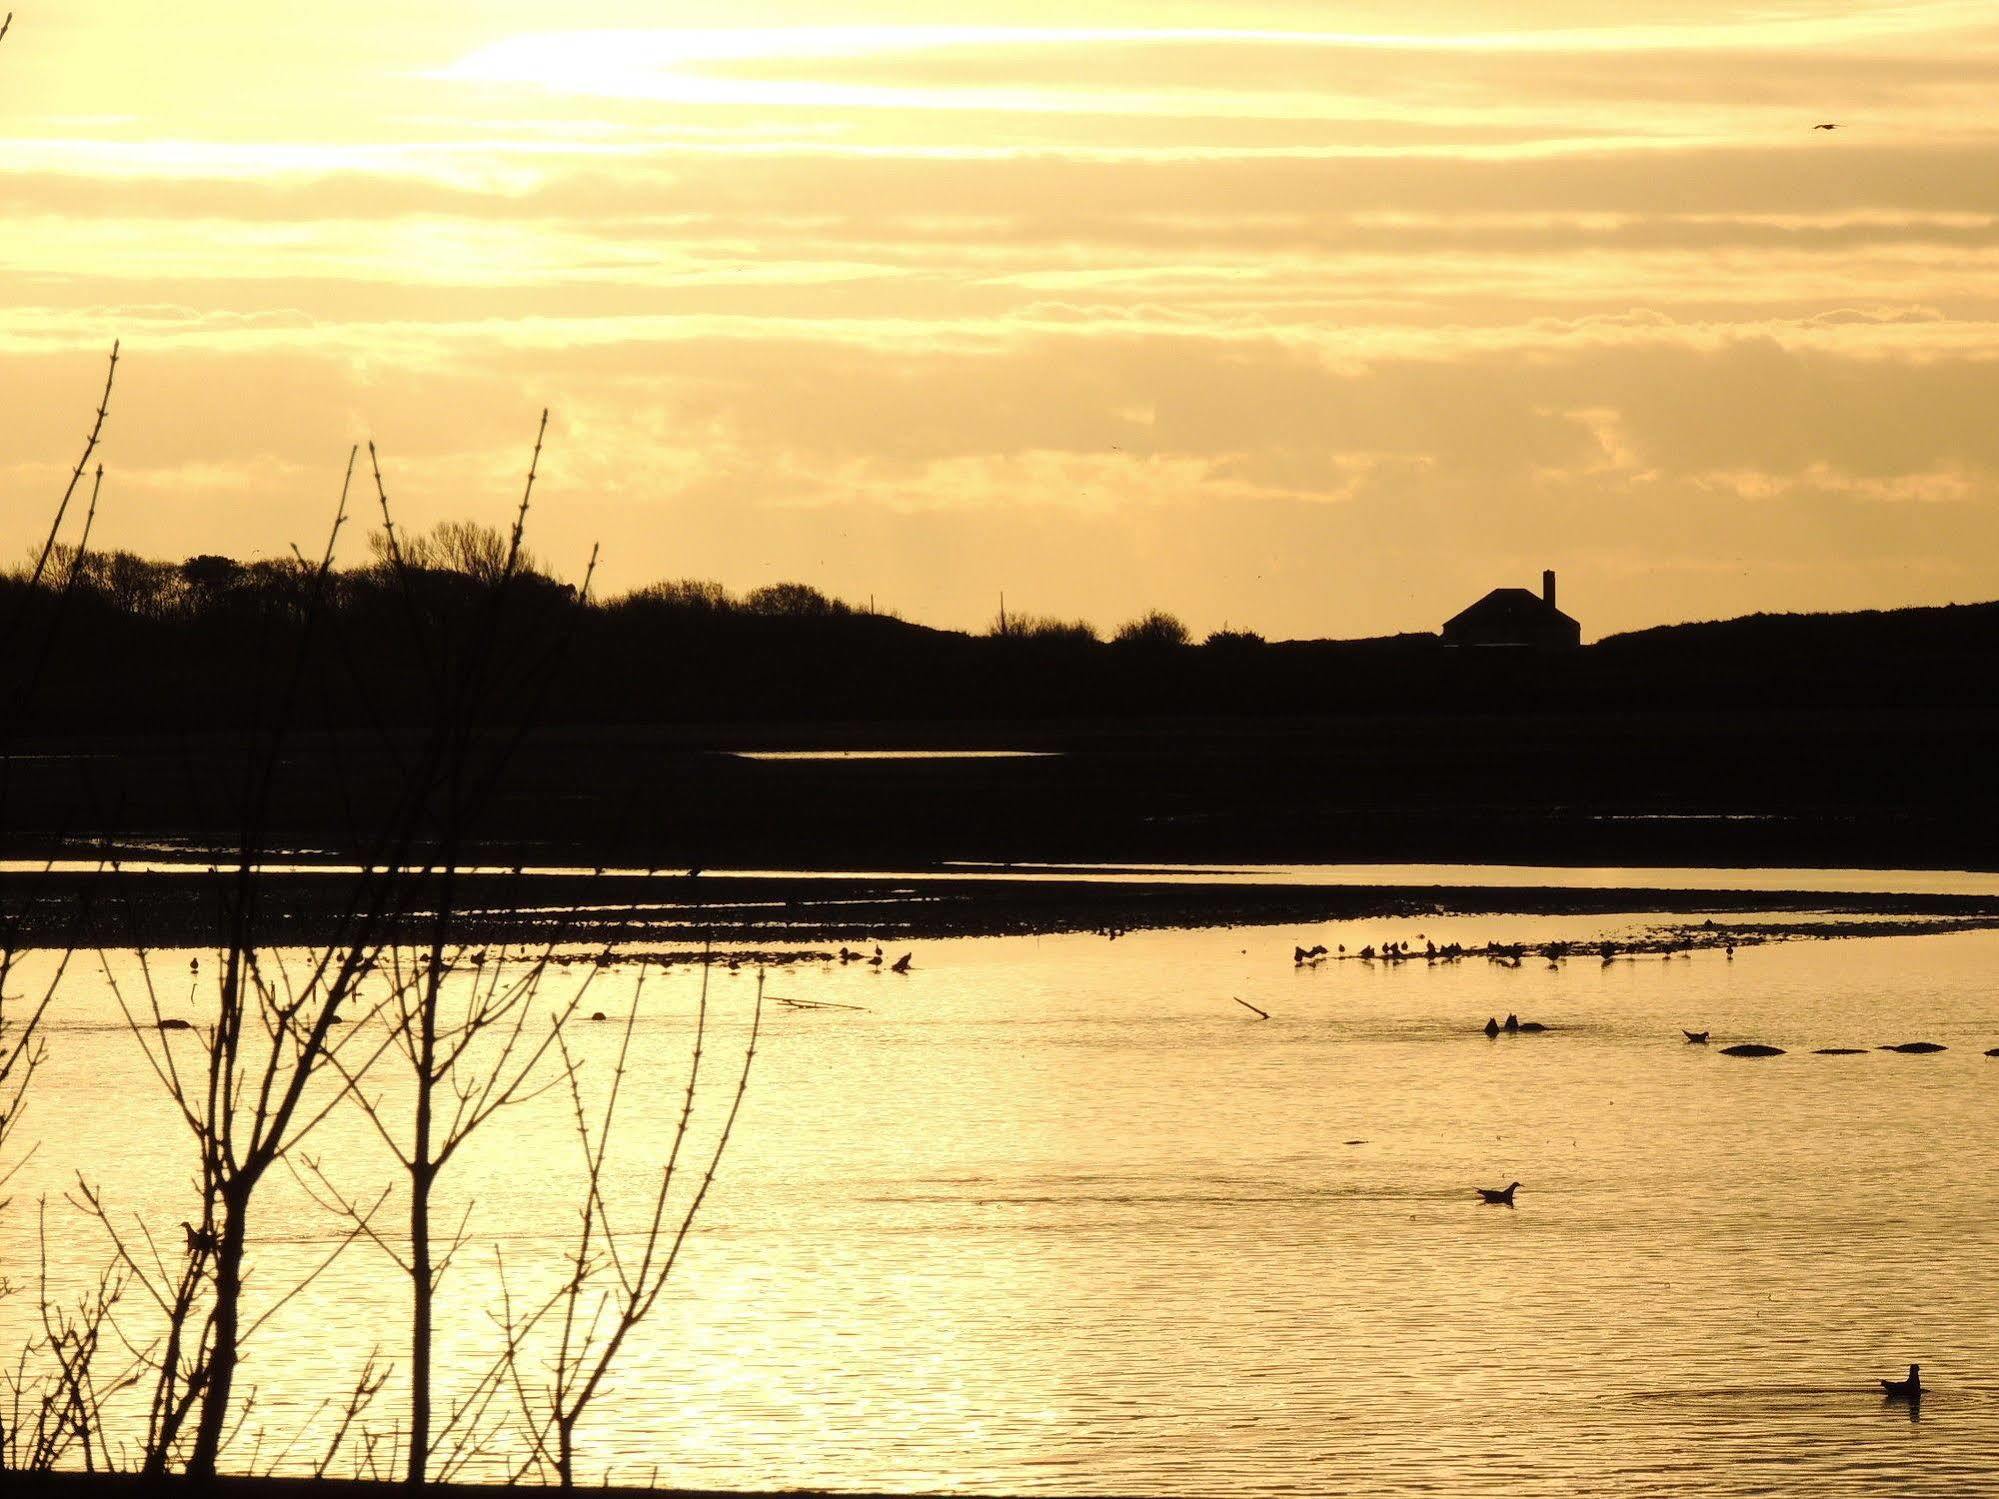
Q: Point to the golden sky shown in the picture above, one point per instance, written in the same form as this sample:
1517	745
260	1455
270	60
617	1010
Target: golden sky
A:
1310	318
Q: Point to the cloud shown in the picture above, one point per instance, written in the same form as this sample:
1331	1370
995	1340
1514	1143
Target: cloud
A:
1316	334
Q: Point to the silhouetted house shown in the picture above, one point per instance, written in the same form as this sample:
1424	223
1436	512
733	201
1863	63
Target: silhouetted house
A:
1515	616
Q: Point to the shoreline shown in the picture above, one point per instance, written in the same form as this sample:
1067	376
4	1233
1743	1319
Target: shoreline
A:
67	1485
161	910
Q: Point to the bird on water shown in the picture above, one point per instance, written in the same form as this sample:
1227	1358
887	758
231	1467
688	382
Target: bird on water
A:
1905	1389
1833	126
1498	1197
1695	1038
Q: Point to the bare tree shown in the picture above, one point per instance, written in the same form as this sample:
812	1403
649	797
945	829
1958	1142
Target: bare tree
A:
609	1289
21	1046
465	1024
261	1080
473	1050
53	1398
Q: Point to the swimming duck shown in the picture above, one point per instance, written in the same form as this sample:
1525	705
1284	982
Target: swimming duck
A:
1695	1038
1531	1027
1905	1389
1491	1026
1512	1022
1502	1197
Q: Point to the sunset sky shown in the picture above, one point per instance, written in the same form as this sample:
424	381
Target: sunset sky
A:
1312	319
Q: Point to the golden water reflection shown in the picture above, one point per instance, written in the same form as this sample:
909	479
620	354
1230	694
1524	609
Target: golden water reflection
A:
1054	1215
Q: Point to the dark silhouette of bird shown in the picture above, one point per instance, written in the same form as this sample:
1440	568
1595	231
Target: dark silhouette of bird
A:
1905	1389
1512	1023
901	964
1833	126
1498	1197
1491	1026
1695	1038
1531	1027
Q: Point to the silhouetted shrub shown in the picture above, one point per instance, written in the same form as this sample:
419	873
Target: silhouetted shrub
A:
1156	629
793	601
679	595
1233	640
1043	628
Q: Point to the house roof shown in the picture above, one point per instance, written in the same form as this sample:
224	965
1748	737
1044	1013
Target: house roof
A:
1509	606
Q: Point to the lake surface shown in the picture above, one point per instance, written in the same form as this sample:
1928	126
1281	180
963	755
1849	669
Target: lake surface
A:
1055	1216
885	754
1372	876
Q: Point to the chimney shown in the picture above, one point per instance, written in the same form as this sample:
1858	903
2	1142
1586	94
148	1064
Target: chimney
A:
1548	587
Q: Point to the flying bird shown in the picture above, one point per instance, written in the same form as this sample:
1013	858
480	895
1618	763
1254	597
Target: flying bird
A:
1825	127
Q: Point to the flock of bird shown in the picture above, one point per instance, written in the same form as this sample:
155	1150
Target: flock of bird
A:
900	965
1512	954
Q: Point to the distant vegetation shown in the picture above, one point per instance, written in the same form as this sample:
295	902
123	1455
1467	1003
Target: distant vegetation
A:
154	644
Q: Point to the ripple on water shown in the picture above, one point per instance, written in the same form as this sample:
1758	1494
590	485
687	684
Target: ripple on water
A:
1053	1218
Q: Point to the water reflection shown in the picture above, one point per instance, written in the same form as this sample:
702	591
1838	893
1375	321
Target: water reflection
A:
1053	1215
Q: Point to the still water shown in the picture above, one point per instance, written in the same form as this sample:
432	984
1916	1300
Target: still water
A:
1054	1215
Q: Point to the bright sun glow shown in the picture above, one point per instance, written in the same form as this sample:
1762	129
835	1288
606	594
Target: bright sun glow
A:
1268	284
